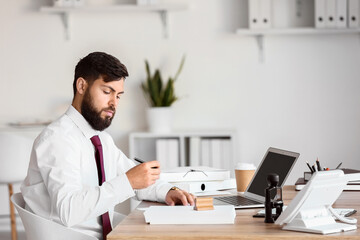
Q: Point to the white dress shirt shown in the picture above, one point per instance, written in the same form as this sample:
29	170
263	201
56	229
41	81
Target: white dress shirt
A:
62	181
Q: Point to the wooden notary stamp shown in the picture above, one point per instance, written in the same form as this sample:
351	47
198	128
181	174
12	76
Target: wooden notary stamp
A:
204	203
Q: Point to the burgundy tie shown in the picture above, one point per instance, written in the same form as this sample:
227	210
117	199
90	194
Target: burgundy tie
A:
101	174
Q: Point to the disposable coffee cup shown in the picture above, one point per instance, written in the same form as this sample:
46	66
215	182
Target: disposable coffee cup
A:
243	174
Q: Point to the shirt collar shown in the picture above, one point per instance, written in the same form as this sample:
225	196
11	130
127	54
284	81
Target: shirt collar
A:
81	122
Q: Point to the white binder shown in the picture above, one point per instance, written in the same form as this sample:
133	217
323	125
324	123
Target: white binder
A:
194	174
353	10
206	186
162	152
265	13
341	13
205	152
173	154
320	8
330	14
216	150
195	152
254	14
167	153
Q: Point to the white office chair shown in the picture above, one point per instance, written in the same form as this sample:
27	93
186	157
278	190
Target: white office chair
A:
15	153
39	228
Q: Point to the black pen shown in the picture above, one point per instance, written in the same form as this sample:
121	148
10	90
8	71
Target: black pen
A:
141	161
314	168
309	167
338	166
318	165
350	213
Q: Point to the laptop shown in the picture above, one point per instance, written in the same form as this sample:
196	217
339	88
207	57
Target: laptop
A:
275	161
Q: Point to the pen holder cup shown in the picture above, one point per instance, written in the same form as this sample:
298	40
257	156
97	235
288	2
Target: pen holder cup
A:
307	176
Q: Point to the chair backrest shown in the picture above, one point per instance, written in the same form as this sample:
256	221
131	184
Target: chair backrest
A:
15	153
39	228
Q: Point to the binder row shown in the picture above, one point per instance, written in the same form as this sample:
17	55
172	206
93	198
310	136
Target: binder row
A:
328	13
337	13
210	152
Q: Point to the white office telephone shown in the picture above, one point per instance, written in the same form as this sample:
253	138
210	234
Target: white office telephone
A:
311	211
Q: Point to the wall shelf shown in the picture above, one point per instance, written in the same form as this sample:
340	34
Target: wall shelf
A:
259	34
162	9
143	145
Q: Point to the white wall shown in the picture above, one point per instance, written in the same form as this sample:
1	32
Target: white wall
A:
304	97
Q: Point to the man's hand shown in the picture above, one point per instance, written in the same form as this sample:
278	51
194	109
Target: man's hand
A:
144	175
179	196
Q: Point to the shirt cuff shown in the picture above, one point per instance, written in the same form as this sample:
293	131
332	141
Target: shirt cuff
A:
122	185
162	191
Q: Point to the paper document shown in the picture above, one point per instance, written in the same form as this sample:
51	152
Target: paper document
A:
187	215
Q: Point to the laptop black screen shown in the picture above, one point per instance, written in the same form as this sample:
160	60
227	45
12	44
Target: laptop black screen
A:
273	163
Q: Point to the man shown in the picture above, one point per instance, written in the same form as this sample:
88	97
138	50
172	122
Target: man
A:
76	173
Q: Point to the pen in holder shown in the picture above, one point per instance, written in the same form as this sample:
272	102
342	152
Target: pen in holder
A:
273	198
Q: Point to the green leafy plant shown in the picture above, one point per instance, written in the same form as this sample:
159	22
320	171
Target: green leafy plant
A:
158	94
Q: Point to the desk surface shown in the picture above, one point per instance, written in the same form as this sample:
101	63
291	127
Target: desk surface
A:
245	227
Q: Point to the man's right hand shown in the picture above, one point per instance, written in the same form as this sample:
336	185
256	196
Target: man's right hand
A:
144	175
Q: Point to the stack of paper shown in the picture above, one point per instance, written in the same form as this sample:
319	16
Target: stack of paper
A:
187	215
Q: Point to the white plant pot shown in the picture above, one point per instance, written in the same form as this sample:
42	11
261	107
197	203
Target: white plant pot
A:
159	119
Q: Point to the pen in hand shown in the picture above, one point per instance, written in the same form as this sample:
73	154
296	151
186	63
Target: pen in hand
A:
141	161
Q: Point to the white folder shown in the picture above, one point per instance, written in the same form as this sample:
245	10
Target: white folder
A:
330	14
320	8
206	186
173	153
205	152
216	152
162	154
195	151
265	13
254	14
353	13
341	13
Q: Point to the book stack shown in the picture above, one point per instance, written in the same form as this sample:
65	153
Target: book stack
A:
199	180
351	186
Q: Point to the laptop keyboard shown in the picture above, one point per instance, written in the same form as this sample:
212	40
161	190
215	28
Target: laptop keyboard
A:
238	200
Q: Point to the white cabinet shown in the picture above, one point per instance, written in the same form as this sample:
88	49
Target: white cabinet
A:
212	148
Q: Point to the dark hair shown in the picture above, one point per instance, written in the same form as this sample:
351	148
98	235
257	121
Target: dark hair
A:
98	64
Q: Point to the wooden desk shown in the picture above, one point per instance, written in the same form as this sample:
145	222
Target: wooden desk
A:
245	227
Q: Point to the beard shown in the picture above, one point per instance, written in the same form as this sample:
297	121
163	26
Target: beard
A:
92	116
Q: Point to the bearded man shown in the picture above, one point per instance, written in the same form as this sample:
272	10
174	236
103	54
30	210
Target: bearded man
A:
76	173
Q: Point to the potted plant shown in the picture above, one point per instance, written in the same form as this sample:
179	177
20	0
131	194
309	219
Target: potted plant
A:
160	97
